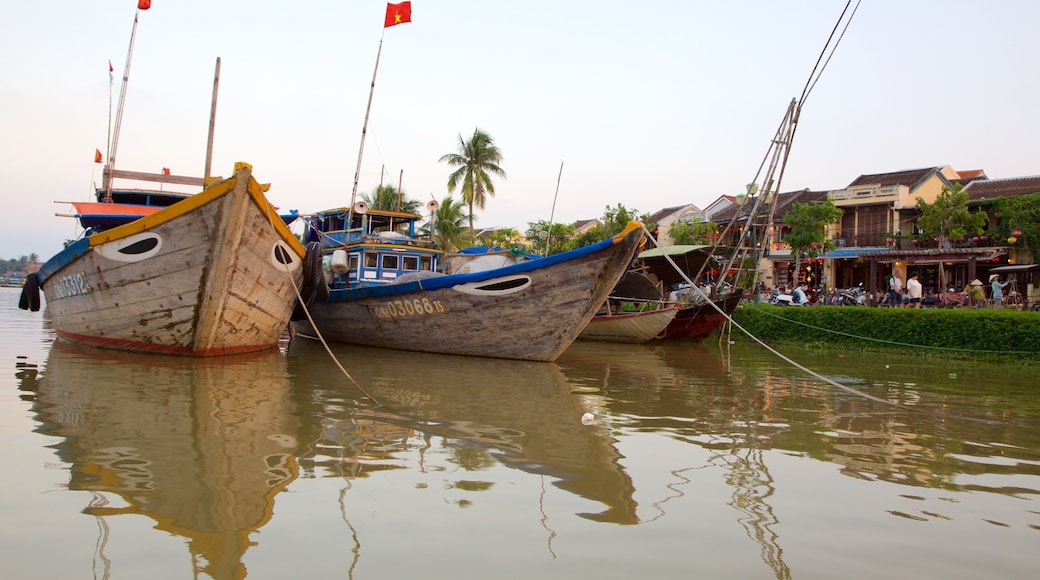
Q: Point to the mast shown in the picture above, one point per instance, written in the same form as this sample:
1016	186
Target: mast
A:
107	180
548	234
364	131
212	124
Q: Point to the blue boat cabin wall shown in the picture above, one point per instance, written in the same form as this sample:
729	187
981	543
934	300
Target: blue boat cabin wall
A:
380	245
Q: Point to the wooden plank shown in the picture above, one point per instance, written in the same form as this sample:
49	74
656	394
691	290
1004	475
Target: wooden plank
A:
157	177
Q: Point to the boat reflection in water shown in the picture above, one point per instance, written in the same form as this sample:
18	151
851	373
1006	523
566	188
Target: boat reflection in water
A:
521	414
201	446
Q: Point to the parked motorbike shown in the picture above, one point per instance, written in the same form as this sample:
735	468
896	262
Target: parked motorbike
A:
797	297
855	296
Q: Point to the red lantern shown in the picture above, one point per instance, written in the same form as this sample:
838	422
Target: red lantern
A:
975	239
914	242
983	238
1016	234
890	240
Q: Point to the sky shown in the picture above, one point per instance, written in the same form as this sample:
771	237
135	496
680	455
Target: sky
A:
648	104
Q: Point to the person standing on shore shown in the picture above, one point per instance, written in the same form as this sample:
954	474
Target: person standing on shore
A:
997	293
913	290
895	291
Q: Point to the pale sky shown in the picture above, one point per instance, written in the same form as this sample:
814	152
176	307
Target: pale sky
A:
650	104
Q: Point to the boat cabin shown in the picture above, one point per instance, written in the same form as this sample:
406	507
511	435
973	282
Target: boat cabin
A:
378	247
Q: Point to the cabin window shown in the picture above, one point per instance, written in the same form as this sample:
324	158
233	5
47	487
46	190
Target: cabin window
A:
353	264
389	261
411	262
371	260
426	263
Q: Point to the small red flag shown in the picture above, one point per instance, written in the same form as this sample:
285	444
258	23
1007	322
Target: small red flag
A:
110	69
144	4
97	156
165	170
395	13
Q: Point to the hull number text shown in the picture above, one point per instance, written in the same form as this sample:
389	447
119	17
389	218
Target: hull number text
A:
408	308
73	285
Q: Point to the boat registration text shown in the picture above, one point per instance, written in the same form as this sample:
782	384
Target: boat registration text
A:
72	285
408	308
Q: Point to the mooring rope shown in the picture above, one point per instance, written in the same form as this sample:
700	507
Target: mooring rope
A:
269	211
782	356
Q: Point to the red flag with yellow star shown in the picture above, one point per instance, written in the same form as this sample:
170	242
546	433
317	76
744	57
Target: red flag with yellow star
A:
398	14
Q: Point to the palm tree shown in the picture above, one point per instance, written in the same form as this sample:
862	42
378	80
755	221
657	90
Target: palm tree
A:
477	160
385	197
447	229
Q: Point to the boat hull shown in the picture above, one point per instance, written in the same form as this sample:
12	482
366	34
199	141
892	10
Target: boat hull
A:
629	327
698	322
528	311
211	275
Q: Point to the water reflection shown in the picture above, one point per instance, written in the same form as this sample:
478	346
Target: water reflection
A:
200	446
519	414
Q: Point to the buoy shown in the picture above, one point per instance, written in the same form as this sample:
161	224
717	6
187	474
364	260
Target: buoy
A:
588	419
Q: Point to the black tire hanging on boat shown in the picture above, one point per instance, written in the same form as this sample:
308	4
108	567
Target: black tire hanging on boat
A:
30	298
313	277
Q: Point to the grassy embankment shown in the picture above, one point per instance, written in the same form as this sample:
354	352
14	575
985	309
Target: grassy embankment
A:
1007	334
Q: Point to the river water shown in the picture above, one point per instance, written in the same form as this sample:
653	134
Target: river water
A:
701	461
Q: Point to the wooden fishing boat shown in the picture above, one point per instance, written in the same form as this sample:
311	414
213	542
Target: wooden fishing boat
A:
634	312
699	321
703	310
385	291
187	273
616	325
212	274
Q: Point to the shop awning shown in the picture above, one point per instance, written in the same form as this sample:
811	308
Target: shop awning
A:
843	253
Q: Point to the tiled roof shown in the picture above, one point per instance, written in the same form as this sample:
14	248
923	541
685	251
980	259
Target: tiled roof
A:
582	223
910	178
970	174
660	214
983	189
784	201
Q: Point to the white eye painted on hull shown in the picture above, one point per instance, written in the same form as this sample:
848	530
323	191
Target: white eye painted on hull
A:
282	256
132	248
495	286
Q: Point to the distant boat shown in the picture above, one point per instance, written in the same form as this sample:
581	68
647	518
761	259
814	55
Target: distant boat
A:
213	274
386	291
631	327
633	313
703	310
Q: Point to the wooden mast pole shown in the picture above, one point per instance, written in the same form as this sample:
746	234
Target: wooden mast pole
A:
552	212
364	131
107	180
212	125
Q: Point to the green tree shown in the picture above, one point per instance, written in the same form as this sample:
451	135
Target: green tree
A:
696	232
615	219
502	238
477	160
808	234
386	197
448	228
558	237
949	218
1021	213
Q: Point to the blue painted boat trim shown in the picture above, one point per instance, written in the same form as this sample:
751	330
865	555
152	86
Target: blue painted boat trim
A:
440	282
63	258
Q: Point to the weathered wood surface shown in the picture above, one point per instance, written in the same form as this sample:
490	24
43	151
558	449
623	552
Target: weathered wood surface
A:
214	287
536	321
